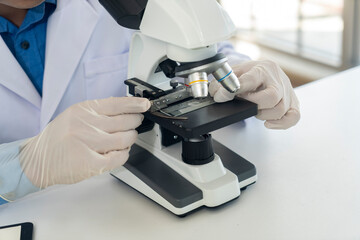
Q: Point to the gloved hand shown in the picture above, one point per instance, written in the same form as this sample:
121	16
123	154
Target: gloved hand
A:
87	139
264	83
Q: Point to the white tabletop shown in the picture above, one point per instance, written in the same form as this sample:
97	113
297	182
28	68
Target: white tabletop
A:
308	184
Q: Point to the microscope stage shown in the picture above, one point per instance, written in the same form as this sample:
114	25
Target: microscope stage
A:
208	118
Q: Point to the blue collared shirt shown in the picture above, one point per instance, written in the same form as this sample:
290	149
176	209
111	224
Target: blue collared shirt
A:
27	43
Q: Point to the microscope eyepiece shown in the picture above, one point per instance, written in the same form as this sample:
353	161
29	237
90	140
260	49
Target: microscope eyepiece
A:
127	13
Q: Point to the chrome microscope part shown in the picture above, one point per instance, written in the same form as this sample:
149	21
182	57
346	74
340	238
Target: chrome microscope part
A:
227	78
196	73
198	82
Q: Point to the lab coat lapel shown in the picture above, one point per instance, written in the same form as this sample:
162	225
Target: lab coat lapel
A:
13	77
68	33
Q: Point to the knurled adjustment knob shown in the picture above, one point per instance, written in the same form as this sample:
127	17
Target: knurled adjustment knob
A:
198	151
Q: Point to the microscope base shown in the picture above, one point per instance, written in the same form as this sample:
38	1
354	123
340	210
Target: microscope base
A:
182	188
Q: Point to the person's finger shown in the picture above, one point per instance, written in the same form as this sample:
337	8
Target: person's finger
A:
244	67
275	113
223	95
115	159
100	163
214	87
219	93
266	98
117	105
287	121
102	142
251	80
119	123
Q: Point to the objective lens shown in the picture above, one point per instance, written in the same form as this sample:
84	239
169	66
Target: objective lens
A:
227	78
198	82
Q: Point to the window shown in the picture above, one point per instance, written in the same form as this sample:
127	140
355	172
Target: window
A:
323	31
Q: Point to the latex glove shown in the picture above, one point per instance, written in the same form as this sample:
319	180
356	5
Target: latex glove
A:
87	139
264	83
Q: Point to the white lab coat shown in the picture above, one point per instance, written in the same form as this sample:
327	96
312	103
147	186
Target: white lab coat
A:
86	58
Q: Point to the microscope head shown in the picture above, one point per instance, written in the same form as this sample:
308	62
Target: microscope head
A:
192	29
184	31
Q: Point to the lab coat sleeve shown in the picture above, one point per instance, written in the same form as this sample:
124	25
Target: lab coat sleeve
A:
233	57
13	182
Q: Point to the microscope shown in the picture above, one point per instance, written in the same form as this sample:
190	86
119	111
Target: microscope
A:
173	55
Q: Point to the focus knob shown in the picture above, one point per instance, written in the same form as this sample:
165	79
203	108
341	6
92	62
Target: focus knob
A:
198	151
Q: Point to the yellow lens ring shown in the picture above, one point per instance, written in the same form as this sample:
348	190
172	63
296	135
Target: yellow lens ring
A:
197	81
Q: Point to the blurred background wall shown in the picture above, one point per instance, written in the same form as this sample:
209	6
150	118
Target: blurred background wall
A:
310	39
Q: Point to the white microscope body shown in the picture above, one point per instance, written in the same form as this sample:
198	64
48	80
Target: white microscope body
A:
183	31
